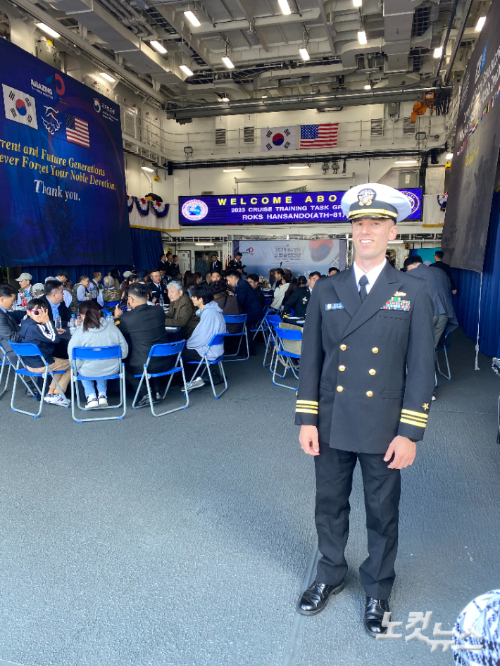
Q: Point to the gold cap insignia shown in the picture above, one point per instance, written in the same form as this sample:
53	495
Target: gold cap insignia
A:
425	406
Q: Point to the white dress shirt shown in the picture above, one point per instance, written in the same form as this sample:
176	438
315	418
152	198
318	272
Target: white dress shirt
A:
371	275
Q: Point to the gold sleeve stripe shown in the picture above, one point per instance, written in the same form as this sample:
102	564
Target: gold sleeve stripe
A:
420	424
307	411
421	415
307	402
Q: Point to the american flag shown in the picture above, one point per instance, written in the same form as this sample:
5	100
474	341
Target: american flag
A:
318	136
77	131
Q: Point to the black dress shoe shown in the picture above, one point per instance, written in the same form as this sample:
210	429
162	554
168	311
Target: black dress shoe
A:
374	614
316	597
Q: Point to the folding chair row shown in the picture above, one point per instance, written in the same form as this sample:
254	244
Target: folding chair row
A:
285	357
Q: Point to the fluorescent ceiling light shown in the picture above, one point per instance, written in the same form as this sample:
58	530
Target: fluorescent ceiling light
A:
145	168
302	166
362	37
158	47
304	54
449	156
438	52
107	76
264	96
186	70
192	18
48	30
284	6
231	170
368	86
406	162
480	23
357	3
224	98
202	244
227	62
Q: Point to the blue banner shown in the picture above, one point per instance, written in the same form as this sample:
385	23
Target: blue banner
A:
284	208
62	176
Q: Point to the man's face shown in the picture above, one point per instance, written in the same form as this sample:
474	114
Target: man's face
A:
155	277
24	284
197	302
332	272
238	257
61	278
252	283
370	237
209	278
7	302
232	280
85	282
312	281
174	294
56	296
169	257
214	257
216	276
174	258
97	277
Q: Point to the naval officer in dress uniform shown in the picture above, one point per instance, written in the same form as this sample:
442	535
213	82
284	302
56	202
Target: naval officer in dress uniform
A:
368	353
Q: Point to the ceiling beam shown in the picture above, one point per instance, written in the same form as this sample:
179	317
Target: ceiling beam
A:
301	102
245	8
330	30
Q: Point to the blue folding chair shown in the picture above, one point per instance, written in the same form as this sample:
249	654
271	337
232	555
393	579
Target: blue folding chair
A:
23	349
444	348
272	321
97	354
216	340
284	357
163	351
237	319
111	304
5	367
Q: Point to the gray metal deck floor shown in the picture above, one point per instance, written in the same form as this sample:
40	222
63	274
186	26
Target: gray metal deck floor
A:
185	540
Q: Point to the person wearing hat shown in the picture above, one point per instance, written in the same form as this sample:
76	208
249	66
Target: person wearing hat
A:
368	346
38	290
25	290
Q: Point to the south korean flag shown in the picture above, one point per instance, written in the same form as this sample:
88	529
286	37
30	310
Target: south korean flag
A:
19	107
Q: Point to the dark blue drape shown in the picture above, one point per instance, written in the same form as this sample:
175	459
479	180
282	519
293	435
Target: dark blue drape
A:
147	247
468	286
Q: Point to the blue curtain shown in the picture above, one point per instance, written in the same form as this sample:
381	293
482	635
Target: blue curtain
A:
468	286
147	246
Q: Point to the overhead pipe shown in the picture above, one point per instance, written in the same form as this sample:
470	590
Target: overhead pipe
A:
302	102
443	54
302	159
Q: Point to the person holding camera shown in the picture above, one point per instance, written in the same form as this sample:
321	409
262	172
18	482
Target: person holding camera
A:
38	329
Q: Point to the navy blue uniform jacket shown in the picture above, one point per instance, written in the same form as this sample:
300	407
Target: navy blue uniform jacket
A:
366	371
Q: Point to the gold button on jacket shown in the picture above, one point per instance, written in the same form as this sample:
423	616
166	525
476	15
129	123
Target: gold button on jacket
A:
369	394
340	389
375	350
343	347
341	368
372	372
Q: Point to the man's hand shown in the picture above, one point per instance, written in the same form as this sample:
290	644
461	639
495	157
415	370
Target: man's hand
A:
61	330
308	439
42	317
404	451
117	312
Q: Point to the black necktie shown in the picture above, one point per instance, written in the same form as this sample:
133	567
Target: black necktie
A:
363	281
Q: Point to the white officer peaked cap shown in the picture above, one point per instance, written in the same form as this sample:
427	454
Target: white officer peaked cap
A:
376	201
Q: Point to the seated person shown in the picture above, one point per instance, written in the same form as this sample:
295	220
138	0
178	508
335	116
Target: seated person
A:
9	321
37	328
297	297
280	288
25	288
333	271
211	323
253	281
216	276
54	302
110	293
96	332
81	293
248	301
143	327
95	283
64	279
38	290
181	312
158	287
199	277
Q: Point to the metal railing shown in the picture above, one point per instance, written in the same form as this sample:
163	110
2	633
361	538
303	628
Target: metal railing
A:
151	141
